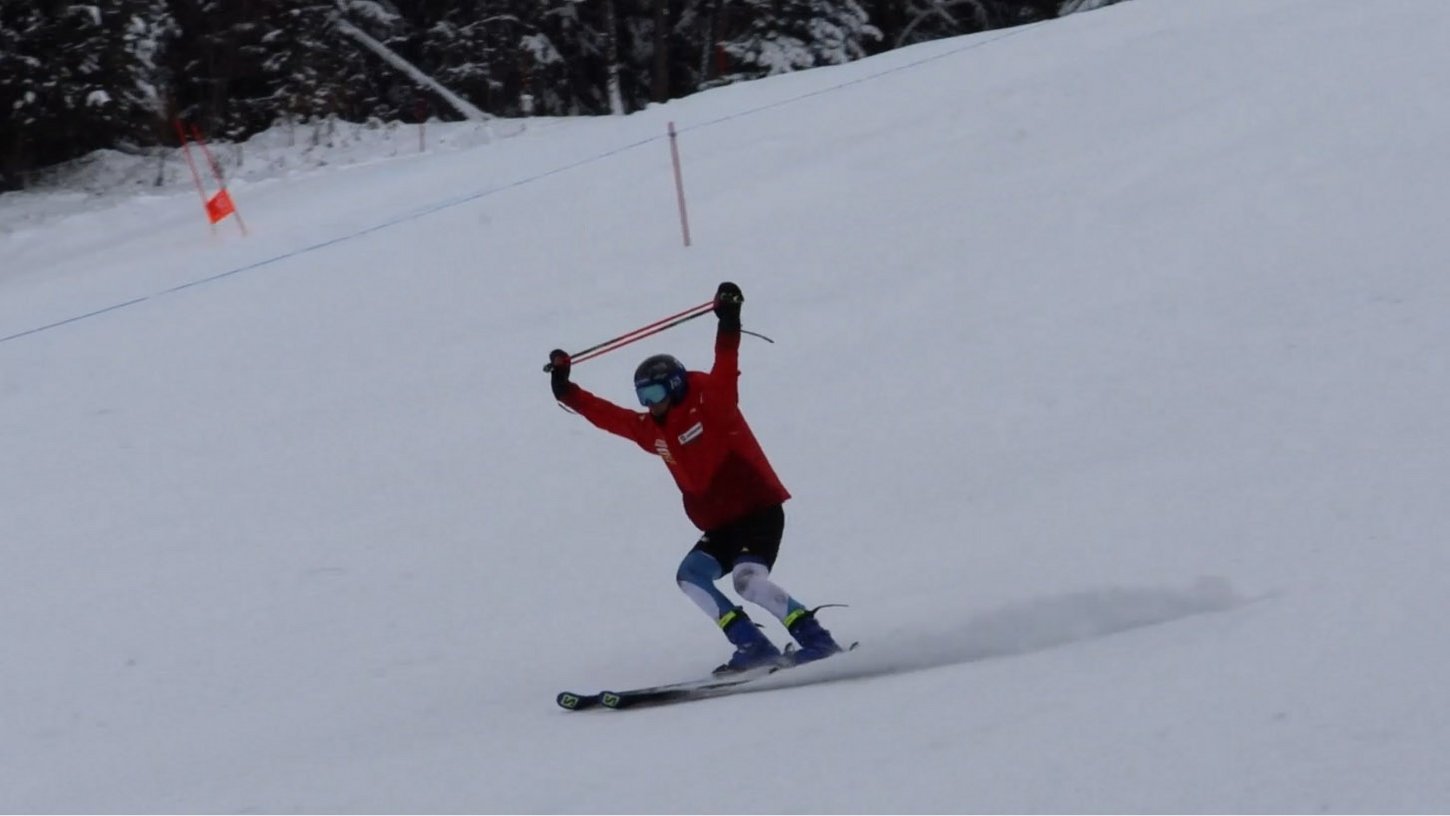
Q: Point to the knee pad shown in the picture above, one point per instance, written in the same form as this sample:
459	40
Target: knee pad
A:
699	569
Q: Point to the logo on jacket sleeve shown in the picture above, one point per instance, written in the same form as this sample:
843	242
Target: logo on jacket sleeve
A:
664	451
692	434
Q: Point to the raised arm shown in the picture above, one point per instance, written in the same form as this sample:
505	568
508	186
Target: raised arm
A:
726	372
600	412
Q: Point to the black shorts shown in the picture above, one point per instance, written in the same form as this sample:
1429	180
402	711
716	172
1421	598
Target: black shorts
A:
753	538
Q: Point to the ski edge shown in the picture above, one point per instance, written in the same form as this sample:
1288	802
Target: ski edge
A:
701	689
573	701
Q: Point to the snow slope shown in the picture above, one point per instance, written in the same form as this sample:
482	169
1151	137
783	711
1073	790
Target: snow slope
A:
1110	382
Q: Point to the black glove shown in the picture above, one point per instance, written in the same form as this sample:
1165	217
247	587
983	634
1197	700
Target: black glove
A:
558	369
727	306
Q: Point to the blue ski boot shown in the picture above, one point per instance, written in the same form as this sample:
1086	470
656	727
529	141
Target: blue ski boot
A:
752	648
816	643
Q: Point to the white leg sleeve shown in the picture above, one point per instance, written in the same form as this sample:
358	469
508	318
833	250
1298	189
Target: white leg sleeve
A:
753	582
702	599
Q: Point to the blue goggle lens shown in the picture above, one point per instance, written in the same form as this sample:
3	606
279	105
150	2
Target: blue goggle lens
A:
651	393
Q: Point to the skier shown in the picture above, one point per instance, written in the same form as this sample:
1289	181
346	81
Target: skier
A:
694	424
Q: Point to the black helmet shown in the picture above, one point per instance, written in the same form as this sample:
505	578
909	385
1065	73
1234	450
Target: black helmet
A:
659	378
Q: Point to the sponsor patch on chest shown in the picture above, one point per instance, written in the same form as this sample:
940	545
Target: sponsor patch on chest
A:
692	433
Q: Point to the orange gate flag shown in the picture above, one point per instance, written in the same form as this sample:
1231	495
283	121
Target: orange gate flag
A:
219	206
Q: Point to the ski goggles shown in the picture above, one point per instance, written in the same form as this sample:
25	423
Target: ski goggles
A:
651	393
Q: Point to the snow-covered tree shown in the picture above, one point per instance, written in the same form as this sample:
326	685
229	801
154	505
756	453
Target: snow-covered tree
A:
472	49
588	79
249	65
77	77
776	36
310	70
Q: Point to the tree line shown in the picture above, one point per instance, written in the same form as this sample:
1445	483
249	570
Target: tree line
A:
81	75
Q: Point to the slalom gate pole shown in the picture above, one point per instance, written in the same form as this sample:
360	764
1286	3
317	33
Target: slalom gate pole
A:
195	176
679	186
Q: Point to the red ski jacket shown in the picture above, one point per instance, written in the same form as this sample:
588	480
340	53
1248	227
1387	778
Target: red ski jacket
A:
704	441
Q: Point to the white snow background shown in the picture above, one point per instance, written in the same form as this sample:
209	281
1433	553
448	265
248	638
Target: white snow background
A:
1110	380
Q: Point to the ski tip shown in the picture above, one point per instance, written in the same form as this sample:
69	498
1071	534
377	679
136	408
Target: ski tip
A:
570	701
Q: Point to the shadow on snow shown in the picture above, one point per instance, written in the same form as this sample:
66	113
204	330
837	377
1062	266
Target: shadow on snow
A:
1022	628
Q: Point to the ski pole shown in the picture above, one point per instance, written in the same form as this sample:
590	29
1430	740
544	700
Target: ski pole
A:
638	334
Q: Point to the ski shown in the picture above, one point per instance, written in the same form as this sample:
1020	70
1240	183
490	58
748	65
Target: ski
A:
680	692
689	690
624	699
